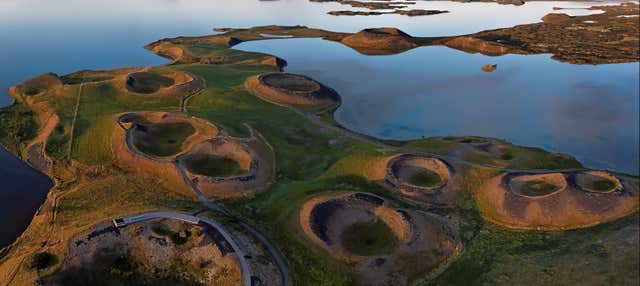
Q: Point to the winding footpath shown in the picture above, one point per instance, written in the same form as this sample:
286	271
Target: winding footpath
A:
213	206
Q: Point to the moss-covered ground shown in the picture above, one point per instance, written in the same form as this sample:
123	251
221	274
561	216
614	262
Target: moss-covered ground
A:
425	178
213	166
162	139
369	238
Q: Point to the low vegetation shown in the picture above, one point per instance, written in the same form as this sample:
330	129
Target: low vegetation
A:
537	188
366	239
18	127
213	166
310	160
425	178
161	139
602	185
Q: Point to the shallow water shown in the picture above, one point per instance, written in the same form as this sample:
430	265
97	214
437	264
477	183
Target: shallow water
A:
64	36
590	112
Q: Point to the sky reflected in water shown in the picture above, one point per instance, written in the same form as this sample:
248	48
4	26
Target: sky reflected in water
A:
587	111
69	35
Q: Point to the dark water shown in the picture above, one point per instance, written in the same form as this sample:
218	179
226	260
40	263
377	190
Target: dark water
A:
590	112
41	36
22	191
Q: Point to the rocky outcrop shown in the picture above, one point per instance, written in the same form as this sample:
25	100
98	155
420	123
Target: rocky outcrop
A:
489	67
472	44
380	41
555	17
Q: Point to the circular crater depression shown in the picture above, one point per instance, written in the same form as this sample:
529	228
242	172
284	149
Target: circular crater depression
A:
418	173
355	224
539	185
160	139
384	245
220	157
153	252
147	83
229	167
554	201
292	89
597	182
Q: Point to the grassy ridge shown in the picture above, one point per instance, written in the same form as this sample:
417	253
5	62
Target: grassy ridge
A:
17	126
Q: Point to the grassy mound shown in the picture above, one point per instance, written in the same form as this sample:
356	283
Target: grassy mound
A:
161	139
537	188
425	178
213	166
144	82
369	238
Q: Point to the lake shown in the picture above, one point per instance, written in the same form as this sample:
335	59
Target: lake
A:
427	91
23	191
590	112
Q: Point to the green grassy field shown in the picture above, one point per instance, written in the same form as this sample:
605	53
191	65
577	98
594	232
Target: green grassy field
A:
100	103
310	160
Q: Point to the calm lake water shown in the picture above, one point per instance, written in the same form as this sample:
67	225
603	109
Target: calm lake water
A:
587	111
23	191
64	36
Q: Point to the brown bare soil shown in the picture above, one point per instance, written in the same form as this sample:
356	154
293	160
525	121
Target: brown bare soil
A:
423	241
567	206
408	175
293	90
158	251
253	157
35	153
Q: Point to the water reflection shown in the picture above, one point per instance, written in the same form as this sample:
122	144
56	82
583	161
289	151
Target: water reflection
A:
65	36
23	191
68	35
587	111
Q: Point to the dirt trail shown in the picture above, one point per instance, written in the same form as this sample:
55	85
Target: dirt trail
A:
75	117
